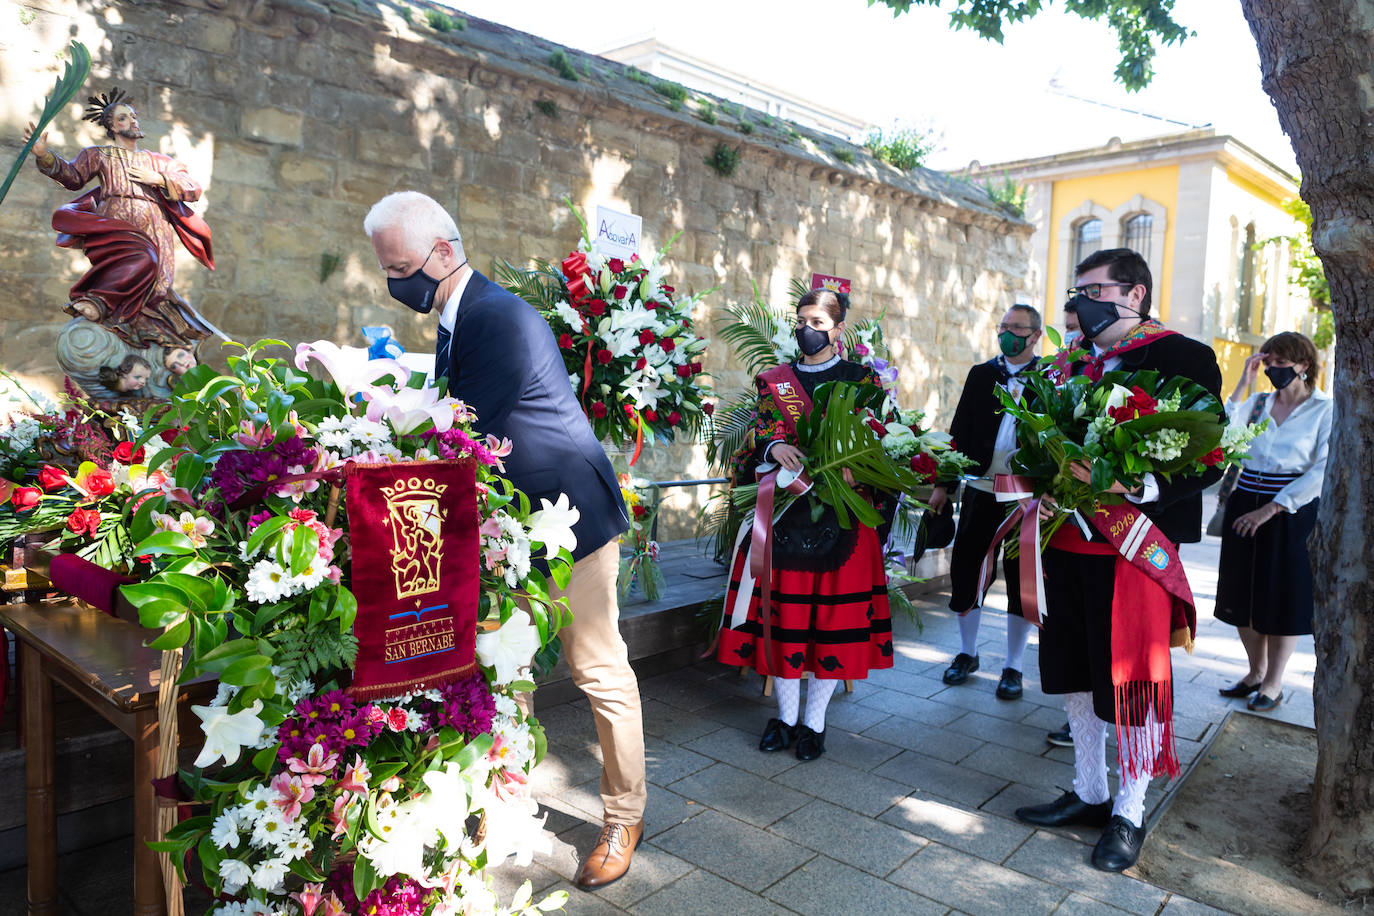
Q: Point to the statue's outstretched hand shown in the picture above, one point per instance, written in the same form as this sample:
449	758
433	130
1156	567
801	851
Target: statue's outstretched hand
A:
40	146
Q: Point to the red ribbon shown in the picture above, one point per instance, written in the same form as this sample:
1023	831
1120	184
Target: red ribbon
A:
576	271
639	437
761	552
1009	487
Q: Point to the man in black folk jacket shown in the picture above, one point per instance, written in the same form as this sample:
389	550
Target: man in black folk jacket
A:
1112	299
981	431
501	359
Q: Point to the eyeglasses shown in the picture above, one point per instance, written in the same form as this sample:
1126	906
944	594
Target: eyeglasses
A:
1094	290
1018	329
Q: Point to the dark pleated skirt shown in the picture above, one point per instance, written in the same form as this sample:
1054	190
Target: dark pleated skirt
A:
1265	581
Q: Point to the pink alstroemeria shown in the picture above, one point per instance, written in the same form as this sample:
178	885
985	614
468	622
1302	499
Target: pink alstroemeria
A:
196	528
309	897
291	794
356	776
499	448
315	767
339	816
333	906
250	435
349	367
295	489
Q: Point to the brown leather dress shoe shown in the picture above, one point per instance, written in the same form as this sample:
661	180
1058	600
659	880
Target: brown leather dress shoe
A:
610	858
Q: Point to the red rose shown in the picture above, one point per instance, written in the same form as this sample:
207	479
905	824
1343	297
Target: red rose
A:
396	719
674	418
696	368
25	498
616	265
604	356
1139	404
646	337
84	521
669	290
597	307
650	304
667	344
641	363
51	478
877	426
99	483
924	467
170	435
620	291
565	341
124	453
639	511
684	371
1212	458
651	415
598	409
629	410
708	408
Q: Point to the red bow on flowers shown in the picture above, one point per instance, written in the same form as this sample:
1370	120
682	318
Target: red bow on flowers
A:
575	269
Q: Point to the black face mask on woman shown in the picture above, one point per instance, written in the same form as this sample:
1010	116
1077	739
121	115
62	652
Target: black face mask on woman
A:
416	290
812	341
1281	376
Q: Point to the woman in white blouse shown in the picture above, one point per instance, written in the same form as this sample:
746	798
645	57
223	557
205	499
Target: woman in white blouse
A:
1264	586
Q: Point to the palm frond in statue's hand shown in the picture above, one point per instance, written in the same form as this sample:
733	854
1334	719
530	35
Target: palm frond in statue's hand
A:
67	86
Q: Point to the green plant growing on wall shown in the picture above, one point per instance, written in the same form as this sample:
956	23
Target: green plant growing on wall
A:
547	107
1305	270
562	66
766	120
408	14
724	159
1007	193
745	127
67	86
329	262
443	22
26	17
904	149
639	76
706	110
670	90
844	155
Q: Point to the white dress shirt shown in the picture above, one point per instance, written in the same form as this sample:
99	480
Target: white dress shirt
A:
1004	446
1297	446
450	313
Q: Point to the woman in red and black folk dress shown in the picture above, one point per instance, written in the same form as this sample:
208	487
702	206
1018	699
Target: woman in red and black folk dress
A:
828	608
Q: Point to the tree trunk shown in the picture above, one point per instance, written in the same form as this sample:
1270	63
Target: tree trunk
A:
1316	58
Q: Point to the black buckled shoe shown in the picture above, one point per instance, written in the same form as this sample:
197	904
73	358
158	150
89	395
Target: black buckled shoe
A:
1061	738
1119	846
810	745
1238	690
1262	703
1066	809
959	670
1009	687
777	735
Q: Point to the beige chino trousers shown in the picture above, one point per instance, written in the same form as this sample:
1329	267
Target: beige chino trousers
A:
600	665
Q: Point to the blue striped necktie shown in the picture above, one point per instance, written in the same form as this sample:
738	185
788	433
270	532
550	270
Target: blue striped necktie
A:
441	352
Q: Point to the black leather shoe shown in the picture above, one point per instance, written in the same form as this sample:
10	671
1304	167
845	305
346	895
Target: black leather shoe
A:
1066	809
1009	687
959	670
1238	690
810	745
777	735
1061	738
1119	846
1261	703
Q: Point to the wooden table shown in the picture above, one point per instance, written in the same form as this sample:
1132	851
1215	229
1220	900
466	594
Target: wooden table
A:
101	660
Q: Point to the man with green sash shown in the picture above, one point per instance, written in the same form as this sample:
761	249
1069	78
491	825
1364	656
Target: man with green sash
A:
1115	602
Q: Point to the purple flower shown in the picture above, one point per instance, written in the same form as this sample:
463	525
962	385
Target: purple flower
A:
886	372
468	706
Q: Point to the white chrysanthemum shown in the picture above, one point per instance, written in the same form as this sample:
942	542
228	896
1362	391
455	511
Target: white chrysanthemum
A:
414	721
505	706
223	694
310	578
570	316
225	832
269	827
235	873
267	582
292	843
270	874
258	805
339	441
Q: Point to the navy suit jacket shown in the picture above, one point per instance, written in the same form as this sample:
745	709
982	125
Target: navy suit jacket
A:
505	364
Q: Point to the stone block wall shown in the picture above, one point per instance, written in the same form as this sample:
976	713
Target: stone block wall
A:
297	115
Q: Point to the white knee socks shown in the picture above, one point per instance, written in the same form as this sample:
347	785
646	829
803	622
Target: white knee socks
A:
788	692
1089	748
1130	793
1018	634
818	696
968	631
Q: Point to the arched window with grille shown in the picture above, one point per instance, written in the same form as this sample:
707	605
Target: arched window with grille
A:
1087	238
1135	234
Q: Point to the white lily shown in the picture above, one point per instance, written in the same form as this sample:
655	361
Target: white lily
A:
569	314
553	524
621	343
447	801
409	409
226	733
349	367
509	649
513	829
1118	396
635	318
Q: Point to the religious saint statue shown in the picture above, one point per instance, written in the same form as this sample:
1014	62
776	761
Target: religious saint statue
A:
128	227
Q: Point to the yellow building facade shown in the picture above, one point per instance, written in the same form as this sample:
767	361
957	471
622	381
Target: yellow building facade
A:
1199	206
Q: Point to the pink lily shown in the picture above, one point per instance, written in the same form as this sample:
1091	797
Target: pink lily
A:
349	367
309	897
410	409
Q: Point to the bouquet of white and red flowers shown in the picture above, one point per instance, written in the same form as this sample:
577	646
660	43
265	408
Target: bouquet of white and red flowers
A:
632	354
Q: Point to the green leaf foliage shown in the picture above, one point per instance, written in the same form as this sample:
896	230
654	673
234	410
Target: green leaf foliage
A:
65	89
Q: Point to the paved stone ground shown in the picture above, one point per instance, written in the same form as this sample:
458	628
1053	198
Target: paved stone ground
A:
910	809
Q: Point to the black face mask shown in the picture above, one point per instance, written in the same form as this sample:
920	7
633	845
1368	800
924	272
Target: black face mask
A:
417	290
1281	376
1094	316
812	341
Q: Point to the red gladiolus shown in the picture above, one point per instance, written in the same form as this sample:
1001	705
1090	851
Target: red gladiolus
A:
124	453
1139	404
620	291
565	341
99	483
651	415
51	478
84	521
924	467
25	498
1212	458
598	409
604	356
696	368
674	418
684	371
639	511
646	337
708	408
667	344
641	363
597	307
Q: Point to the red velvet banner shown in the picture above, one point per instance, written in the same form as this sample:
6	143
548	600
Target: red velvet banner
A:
413	528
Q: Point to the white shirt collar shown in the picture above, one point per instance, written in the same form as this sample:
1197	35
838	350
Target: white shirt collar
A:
450	313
